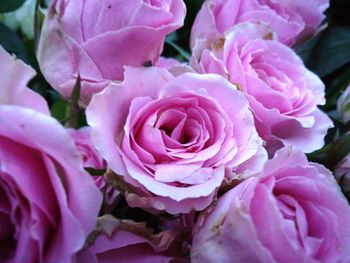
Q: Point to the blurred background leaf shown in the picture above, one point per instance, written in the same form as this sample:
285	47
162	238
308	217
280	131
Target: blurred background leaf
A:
10	5
13	43
328	51
338	150
60	109
178	43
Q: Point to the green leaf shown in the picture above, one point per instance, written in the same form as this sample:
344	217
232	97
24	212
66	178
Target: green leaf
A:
319	156
338	151
173	37
305	50
60	110
10	5
328	51
12	43
336	87
179	49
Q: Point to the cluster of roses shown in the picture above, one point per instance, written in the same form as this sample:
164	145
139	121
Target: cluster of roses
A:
218	142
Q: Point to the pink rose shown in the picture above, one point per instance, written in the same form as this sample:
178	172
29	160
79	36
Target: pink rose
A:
171	138
48	204
282	93
293	212
128	241
96	39
290	19
91	158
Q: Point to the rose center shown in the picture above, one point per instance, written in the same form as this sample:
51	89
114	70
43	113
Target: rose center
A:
178	126
161	4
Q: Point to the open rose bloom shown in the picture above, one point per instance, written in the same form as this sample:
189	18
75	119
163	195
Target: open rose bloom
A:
282	93
48	204
290	19
172	139
293	212
95	39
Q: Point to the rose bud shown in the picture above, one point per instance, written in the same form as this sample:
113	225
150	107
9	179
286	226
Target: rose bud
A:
343	106
95	39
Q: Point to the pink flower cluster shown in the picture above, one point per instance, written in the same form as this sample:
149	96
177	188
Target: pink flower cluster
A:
217	143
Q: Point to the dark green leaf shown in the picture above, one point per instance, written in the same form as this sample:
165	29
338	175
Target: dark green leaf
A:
319	156
172	37
95	172
60	110
328	51
12	43
10	5
179	49
306	49
336	87
338	150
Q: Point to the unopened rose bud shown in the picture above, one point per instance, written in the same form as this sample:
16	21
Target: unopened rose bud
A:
343	105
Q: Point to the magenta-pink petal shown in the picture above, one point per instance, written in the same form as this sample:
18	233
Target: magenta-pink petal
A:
175	193
136	46
171	173
228	234
204	26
